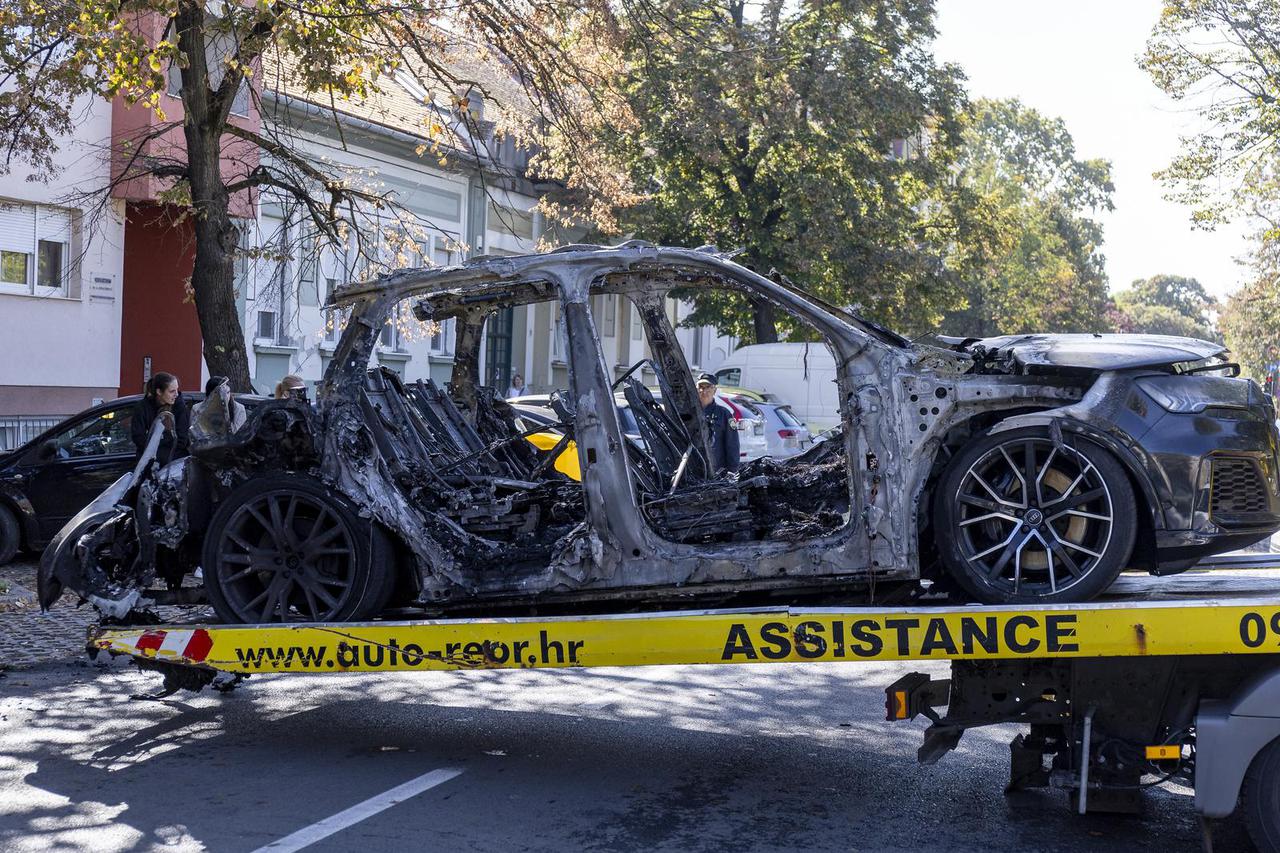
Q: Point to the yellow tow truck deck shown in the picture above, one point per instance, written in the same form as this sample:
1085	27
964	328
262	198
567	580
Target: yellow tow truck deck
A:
1163	679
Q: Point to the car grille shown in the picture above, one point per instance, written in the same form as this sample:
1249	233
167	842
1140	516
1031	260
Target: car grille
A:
1239	492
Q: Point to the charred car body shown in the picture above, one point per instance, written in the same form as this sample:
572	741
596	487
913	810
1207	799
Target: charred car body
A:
1028	468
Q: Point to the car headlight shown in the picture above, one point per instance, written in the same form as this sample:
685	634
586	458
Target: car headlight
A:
1190	394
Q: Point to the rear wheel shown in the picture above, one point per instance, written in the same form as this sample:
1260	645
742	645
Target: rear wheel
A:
9	535
1022	519
1260	799
284	549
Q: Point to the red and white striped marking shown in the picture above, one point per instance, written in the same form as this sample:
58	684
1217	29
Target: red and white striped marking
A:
193	645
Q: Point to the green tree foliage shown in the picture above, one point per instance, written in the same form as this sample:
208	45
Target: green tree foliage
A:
1030	260
52	54
1167	305
1250	317
1221	58
772	128
1250	323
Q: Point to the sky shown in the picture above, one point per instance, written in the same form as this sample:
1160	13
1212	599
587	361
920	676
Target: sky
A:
1078	61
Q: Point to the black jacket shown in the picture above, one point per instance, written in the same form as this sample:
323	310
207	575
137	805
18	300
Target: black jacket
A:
724	438
173	445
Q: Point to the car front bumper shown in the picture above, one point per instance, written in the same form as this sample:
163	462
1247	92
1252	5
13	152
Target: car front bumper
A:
1221	468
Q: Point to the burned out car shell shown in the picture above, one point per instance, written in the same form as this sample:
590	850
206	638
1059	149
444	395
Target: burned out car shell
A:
849	513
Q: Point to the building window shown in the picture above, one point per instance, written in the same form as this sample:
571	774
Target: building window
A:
335	319
443	339
13	267
442	255
610	314
35	249
637	330
53	260
277	286
267	325
696	361
307	266
220	46
559	343
511	222
390	337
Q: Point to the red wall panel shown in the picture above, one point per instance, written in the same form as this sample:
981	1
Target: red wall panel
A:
158	320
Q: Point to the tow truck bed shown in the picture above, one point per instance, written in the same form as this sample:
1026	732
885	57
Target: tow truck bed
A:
1204	612
1176	677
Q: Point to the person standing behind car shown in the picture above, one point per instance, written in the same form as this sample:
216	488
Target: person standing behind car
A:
161	399
285	387
724	438
517	388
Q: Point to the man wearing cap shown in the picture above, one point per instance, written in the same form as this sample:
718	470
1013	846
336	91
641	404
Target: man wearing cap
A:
724	438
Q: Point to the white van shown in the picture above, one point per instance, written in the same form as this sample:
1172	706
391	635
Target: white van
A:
800	374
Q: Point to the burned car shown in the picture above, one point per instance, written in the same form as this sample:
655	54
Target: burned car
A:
1024	469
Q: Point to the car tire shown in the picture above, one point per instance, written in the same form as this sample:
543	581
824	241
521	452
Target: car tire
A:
1064	538
1260	798
286	548
10	535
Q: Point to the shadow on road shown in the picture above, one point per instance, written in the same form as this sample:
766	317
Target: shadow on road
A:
689	758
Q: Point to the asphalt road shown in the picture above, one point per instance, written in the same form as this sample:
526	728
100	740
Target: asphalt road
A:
781	757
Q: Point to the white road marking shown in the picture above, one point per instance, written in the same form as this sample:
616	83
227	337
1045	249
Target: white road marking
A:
309	835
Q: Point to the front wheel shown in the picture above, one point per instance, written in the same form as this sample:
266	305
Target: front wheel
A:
1020	519
1260	799
284	549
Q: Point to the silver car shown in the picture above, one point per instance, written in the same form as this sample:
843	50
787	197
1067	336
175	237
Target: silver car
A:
784	434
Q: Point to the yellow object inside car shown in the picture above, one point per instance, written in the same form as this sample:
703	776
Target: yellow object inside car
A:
567	462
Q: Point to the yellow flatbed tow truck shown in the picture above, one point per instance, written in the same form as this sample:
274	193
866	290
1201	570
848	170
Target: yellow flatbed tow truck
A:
1163	679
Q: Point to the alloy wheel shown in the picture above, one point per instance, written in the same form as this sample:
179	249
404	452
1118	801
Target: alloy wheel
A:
286	556
1033	517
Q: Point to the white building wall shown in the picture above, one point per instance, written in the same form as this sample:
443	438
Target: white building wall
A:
59	352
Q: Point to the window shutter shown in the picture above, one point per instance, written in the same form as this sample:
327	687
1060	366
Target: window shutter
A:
17	228
54	223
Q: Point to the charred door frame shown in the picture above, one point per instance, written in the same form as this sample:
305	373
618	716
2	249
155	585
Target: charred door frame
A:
614	513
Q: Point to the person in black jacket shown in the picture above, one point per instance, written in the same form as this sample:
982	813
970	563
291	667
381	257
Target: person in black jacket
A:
720	427
161	400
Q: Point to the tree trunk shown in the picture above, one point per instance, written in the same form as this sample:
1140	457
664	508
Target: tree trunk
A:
213	275
764	321
213	280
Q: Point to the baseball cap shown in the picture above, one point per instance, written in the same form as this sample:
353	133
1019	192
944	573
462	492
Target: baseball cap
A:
706	378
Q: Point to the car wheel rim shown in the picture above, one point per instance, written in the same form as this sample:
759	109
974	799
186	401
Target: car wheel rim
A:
1033	518
285	556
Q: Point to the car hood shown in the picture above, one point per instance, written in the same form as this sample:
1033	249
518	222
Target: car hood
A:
1093	352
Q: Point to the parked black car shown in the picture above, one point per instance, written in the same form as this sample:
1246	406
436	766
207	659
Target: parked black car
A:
49	479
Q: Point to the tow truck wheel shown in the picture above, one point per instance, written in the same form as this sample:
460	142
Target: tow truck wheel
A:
285	549
1021	519
1260	799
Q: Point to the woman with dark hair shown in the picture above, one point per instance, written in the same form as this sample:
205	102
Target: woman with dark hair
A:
161	400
